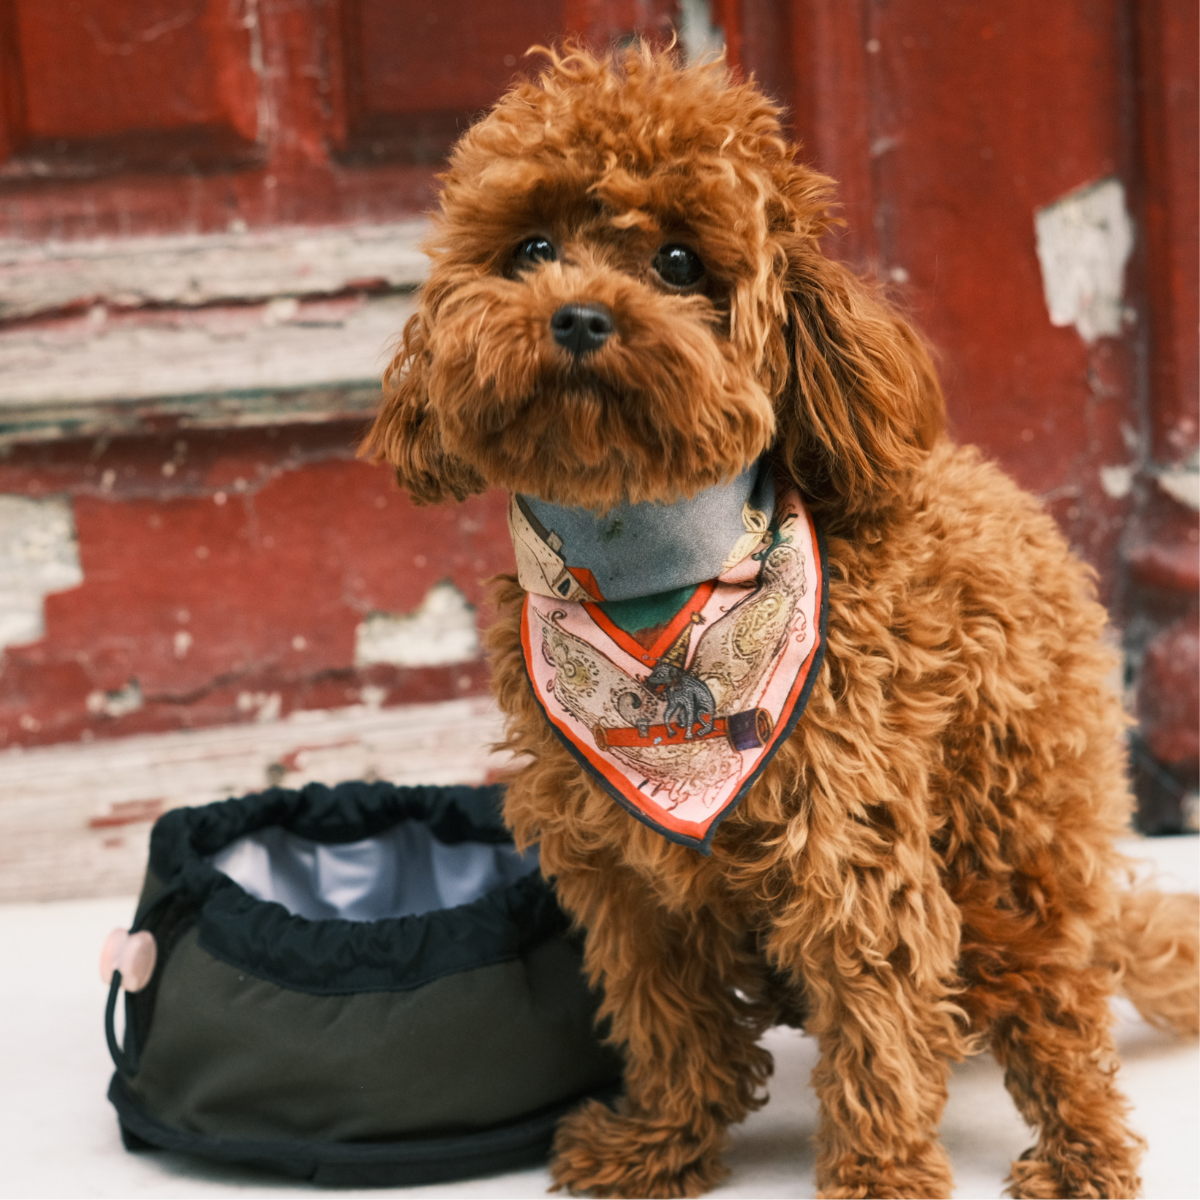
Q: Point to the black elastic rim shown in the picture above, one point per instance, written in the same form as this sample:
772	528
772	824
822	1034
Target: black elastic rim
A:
336	957
340	958
348	812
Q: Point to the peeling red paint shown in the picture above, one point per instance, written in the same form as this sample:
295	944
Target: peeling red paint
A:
1174	566
226	571
266	549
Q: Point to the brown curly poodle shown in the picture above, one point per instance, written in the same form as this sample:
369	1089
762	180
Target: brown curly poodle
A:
927	864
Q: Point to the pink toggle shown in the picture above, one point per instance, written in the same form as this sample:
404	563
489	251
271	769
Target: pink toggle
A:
111	951
134	955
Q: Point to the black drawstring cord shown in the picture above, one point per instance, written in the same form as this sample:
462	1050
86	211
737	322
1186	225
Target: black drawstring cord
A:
126	1058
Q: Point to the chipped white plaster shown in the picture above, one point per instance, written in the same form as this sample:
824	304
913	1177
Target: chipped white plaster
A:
700	38
116	703
1083	243
280	310
265	706
39	554
1182	484
441	630
1117	481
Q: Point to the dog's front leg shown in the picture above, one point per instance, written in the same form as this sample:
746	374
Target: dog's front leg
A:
692	1063
875	965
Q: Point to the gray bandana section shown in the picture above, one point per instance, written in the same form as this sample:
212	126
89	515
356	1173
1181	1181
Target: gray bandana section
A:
643	549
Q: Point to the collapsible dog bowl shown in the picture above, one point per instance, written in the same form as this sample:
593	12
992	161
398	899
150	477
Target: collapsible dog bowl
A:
363	985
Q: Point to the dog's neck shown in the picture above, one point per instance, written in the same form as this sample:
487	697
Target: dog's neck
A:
638	550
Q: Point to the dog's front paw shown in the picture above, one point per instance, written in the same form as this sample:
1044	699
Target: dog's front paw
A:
598	1152
1035	1177
923	1172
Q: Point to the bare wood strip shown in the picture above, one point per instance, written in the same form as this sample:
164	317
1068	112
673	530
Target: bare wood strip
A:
207	269
275	347
75	819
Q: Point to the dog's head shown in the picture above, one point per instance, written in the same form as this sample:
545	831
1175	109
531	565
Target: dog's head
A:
627	301
663	678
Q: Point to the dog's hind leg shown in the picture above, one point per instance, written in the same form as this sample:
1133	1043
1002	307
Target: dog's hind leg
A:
1044	941
1044	999
1059	1066
692	1063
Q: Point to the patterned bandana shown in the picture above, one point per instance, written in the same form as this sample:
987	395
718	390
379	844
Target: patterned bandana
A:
673	646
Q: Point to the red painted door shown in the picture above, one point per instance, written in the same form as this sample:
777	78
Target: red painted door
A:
209	212
987	153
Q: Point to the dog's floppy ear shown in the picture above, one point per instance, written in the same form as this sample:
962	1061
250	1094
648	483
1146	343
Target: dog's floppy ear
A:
407	433
862	405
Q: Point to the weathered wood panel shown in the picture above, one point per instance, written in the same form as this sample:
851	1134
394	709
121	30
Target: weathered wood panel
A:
46	277
75	819
121	357
223	575
109	86
114	336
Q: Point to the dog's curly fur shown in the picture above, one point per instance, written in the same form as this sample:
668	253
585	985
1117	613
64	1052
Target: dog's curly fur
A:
927	865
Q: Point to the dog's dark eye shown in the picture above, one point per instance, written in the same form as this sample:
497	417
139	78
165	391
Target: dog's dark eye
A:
534	250
679	266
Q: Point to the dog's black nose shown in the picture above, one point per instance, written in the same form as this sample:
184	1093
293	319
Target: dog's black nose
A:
582	328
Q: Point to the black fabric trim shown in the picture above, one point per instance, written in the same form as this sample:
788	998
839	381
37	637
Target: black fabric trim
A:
704	846
400	1163
335	957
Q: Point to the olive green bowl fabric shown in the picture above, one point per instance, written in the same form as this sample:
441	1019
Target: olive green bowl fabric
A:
396	1051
